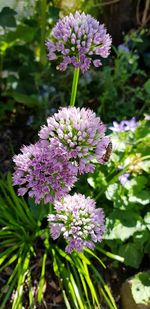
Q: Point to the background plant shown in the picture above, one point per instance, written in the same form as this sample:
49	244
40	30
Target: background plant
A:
122	188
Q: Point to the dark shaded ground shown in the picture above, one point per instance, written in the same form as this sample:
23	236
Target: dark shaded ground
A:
15	131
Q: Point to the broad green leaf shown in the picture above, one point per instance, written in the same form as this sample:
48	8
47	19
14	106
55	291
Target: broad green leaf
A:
111	190
122	224
142	237
141	198
140	286
132	254
91	182
30	101
7	18
147	86
23	33
53	13
147	220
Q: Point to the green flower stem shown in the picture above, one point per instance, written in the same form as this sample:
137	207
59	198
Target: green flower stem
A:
42	21
74	86
110	255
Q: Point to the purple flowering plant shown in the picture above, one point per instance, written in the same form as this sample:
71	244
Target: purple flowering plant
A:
125	125
72	142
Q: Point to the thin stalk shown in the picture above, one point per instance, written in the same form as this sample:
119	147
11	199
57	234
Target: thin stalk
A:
43	31
74	86
1	65
111	255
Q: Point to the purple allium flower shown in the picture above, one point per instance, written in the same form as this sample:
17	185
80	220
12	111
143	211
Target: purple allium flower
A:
78	220
76	39
124	178
82	134
44	171
125	125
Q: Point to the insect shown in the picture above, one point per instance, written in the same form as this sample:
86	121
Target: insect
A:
108	152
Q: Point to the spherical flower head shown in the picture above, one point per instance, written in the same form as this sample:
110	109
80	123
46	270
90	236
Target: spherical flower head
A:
79	40
81	133
44	171
78	220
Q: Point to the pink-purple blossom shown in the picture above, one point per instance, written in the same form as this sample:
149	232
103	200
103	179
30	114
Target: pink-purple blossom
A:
124	178
78	220
81	133
125	125
44	171
79	40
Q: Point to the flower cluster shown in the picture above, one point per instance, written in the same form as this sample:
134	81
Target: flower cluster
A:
124	125
71	143
44	171
79	40
81	133
78	220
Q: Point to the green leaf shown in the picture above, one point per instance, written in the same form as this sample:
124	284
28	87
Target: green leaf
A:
132	254
30	101
23	269
54	13
7	18
140	286
38	211
141	132
147	86
23	33
121	224
5	108
111	190
138	192
147	220
142	237
42	279
142	198
110	255
77	291
91	182
93	254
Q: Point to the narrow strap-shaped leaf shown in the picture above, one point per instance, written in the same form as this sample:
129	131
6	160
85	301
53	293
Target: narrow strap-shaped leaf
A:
23	270
42	279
